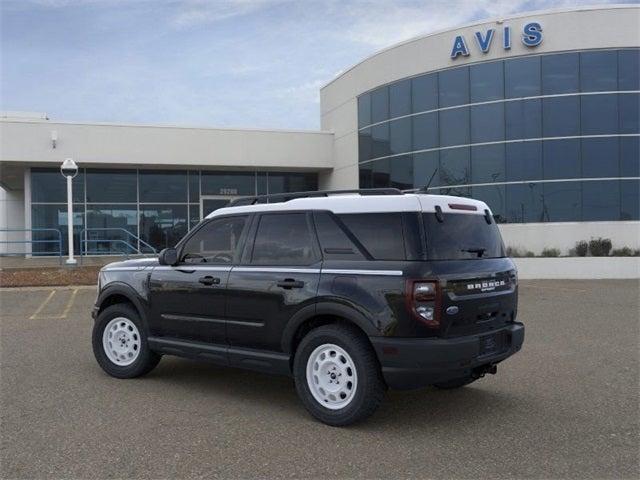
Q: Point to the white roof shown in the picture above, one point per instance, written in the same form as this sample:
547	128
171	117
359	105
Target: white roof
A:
355	203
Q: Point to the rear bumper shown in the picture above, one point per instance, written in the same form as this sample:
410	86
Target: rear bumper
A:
417	362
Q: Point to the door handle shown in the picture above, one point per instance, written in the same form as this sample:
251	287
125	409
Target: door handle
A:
209	280
289	283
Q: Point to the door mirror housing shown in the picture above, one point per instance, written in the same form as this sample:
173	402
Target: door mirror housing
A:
168	256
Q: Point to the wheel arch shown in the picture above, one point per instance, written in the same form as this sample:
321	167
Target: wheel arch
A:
118	293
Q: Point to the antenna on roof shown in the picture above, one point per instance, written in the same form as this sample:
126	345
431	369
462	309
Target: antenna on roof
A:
426	187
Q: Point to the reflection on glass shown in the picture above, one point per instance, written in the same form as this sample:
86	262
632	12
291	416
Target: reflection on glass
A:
453	87
49	186
53	217
380	140
402	172
629	155
400	98
523	161
487	123
424	166
599	114
629	113
600	201
494	196
630	200
561	159
561	201
524	203
600	157
107	226
523	119
424	92
400	135
487	164
425	131
454	127
163	186
365	145
112	186
629	69
163	226
599	71
522	77
561	116
380	105
487	81
560	73
454	166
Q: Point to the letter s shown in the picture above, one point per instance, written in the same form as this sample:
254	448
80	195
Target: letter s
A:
532	34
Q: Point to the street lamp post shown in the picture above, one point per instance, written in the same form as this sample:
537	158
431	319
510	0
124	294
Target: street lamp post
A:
69	169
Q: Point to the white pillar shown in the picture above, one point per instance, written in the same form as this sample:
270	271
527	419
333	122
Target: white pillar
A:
70	260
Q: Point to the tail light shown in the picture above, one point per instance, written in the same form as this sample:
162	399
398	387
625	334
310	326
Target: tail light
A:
423	301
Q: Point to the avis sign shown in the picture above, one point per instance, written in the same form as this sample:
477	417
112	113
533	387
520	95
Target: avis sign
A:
531	37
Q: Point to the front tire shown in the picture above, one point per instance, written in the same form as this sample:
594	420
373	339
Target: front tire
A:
120	345
337	375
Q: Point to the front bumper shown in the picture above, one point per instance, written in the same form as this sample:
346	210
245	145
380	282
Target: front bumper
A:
417	362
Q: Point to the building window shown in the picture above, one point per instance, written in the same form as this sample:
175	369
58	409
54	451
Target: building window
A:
424	93
49	186
454	127
400	99
488	164
453	87
486	81
523	161
425	131
487	123
560	73
599	71
380	105
523	119
400	135
522	77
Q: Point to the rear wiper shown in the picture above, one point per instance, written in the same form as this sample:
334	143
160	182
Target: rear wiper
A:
478	251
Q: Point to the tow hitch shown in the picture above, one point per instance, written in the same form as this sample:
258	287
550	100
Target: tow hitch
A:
481	371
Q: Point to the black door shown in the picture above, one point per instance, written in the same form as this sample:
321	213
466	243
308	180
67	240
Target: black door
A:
278	276
188	300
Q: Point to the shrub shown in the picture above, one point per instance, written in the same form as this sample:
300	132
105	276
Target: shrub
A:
600	247
582	248
517	252
625	252
550	252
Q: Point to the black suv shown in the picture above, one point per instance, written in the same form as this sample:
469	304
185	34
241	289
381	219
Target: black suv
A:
348	292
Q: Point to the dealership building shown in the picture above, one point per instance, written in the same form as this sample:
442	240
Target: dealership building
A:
536	114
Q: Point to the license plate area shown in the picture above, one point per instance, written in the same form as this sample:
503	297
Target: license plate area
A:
493	344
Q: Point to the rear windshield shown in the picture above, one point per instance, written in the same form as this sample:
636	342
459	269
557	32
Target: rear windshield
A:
462	236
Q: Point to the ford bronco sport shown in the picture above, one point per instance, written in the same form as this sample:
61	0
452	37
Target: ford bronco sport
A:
349	292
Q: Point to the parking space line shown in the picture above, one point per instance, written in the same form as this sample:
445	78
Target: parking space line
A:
42	305
69	304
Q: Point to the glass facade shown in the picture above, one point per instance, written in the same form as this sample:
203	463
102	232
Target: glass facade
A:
115	207
544	138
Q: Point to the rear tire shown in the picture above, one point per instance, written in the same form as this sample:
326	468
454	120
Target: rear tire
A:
337	375
455	383
120	345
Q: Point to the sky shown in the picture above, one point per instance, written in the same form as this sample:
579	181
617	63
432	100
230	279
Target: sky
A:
218	63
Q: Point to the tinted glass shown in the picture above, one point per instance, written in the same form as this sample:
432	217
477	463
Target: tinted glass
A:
600	157
112	222
453	87
522	77
487	81
365	145
629	113
381	173
523	161
400	98
494	196
112	186
283	239
630	157
524	203
599	71
163	226
560	73
379	233
425	131
400	135
599	114
523	119
194	215
630	200
364	173
364	110
261	183
228	183
600	201
159	186
402	172
52	217
487	123
561	159
454	127
215	243
334	242
454	166
292	182
380	140
629	70
461	236
561	201
487	164
424	166
194	186
380	105
561	116
424	90
48	185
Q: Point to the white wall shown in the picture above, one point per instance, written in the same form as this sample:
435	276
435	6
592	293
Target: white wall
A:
11	217
578	268
537	236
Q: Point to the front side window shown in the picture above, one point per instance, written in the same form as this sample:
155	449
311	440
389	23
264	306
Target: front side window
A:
284	239
215	243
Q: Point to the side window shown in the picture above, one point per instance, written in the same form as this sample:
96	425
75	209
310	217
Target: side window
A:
380	233
215	243
334	242
284	239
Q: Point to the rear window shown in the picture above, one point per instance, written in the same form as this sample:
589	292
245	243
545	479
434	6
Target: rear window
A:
380	233
462	236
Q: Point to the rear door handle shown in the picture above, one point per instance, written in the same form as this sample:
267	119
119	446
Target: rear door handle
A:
209	280
289	283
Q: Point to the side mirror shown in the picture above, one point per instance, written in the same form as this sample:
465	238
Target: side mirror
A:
168	256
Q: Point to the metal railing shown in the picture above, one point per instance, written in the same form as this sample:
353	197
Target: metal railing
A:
31	241
132	244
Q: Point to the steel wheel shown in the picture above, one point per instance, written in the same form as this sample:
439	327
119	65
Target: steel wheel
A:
121	341
331	376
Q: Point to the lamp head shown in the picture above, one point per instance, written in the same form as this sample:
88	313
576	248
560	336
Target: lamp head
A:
69	168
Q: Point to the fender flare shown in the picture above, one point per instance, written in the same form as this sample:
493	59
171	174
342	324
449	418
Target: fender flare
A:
346	312
127	291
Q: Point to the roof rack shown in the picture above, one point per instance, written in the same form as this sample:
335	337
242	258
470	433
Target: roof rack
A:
285	197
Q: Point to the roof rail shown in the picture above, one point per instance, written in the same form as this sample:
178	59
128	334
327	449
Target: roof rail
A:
285	197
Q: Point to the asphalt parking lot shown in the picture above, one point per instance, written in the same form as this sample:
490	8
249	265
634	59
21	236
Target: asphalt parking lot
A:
565	407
